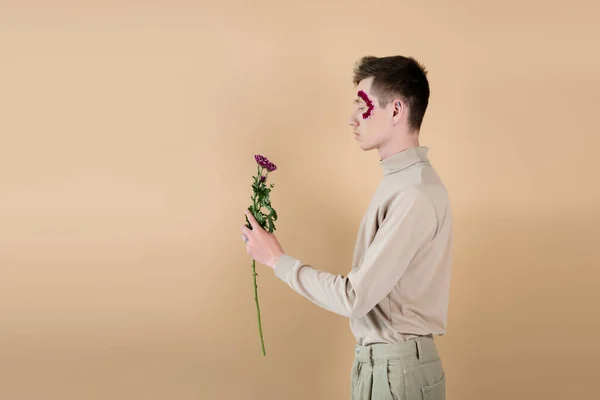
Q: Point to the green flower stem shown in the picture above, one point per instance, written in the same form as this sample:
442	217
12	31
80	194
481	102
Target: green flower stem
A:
262	341
254	274
260	198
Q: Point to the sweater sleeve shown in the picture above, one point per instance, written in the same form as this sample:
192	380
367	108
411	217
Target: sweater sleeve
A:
407	228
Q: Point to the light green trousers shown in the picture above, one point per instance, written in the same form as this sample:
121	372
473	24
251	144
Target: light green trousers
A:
410	370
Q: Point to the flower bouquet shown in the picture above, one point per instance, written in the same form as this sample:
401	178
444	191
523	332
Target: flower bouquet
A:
266	220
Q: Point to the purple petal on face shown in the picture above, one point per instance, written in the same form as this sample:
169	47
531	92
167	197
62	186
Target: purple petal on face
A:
262	178
370	104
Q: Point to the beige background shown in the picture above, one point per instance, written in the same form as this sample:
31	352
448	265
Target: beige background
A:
127	135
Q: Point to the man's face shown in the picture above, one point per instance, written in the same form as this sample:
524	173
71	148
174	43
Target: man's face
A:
370	122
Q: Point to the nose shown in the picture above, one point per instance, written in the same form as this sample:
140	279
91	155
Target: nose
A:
352	121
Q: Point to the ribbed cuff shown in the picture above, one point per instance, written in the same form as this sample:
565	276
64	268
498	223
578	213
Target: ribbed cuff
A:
283	266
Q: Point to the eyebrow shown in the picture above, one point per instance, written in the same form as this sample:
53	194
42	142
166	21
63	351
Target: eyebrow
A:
357	100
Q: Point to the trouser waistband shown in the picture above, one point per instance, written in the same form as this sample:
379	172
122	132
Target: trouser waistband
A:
422	347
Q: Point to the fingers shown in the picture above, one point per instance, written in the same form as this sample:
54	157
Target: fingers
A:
245	236
245	231
251	219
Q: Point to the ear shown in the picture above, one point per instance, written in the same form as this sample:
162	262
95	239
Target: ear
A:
397	107
398	110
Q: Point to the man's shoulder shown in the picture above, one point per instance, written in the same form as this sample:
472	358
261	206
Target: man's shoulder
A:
423	194
407	197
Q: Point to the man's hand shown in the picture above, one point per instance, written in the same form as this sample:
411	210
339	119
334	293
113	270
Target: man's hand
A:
261	245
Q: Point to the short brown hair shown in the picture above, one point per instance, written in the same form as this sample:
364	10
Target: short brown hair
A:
397	76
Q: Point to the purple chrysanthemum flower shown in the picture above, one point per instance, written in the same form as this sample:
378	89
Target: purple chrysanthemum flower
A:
265	163
262	178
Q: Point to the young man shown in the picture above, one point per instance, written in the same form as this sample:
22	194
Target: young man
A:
396	293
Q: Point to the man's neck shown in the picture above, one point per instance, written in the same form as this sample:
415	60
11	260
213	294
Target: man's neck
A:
391	148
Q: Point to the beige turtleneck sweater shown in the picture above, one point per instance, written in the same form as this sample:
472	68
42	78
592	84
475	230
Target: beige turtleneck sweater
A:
398	286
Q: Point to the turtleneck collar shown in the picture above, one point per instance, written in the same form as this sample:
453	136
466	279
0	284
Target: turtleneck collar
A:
404	159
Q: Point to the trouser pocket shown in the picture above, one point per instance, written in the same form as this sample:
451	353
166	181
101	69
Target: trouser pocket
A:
426	381
436	391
